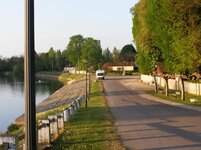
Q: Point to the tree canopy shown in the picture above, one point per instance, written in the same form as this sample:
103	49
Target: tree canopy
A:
74	49
92	52
168	31
127	53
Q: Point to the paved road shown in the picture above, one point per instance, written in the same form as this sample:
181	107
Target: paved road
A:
149	125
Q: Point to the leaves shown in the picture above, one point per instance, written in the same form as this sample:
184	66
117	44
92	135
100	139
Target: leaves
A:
168	31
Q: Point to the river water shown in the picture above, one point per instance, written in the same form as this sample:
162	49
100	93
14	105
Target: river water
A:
12	96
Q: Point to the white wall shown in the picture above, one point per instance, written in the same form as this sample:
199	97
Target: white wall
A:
193	88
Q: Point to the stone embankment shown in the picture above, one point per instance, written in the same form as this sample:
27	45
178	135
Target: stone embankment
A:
64	96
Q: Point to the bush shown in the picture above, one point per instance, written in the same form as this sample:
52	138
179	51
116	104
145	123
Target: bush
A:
12	127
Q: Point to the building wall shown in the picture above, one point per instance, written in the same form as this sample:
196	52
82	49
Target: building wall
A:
120	68
193	88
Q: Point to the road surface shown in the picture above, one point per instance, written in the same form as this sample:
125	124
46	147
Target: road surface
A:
149	125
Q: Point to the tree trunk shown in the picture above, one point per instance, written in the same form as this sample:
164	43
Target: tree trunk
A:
166	86
182	89
156	85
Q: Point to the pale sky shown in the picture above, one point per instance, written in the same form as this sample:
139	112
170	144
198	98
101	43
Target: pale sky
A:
109	21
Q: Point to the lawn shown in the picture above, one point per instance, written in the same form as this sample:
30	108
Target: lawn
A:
90	128
176	98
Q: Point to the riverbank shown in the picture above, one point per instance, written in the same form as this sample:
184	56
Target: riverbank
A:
74	87
65	78
93	126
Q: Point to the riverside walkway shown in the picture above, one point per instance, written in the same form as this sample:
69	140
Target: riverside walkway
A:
63	96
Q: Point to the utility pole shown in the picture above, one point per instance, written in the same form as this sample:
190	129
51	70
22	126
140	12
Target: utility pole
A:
86	62
86	85
29	77
89	86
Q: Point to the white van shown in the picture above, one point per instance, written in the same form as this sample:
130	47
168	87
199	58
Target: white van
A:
100	74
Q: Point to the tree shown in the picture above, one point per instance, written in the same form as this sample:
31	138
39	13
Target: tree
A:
127	53
148	54
44	62
166	31
59	61
107	56
92	52
74	49
51	58
18	68
115	54
3	65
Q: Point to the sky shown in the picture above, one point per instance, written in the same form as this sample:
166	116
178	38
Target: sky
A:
109	21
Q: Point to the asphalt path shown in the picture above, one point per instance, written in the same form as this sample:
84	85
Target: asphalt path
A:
145	124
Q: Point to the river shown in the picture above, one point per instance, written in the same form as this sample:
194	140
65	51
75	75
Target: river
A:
12	96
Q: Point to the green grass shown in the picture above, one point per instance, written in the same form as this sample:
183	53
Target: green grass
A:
62	77
177	98
90	128
65	77
54	73
119	73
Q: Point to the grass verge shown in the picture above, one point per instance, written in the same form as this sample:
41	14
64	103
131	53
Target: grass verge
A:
90	128
62	77
176	98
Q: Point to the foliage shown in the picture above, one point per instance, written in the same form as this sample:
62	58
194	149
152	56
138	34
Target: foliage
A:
107	56
74	49
127	53
92	52
148	54
51	58
115	54
18	67
168	32
12	127
59	61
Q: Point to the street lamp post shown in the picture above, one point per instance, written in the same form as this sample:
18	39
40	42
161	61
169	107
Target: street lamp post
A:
86	62
29	77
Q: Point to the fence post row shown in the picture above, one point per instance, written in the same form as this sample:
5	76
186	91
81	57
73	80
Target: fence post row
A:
60	118
66	114
8	142
71	109
53	125
47	128
44	134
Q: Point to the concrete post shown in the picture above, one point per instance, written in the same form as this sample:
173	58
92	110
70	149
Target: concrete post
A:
53	125
75	106
78	103
66	114
44	135
60	117
9	141
71	109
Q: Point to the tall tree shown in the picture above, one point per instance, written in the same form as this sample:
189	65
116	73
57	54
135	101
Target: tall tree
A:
115	55
127	53
92	52
59	61
107	56
44	62
148	54
173	30
74	49
51	58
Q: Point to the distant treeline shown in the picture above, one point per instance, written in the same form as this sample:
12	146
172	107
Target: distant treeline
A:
77	50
